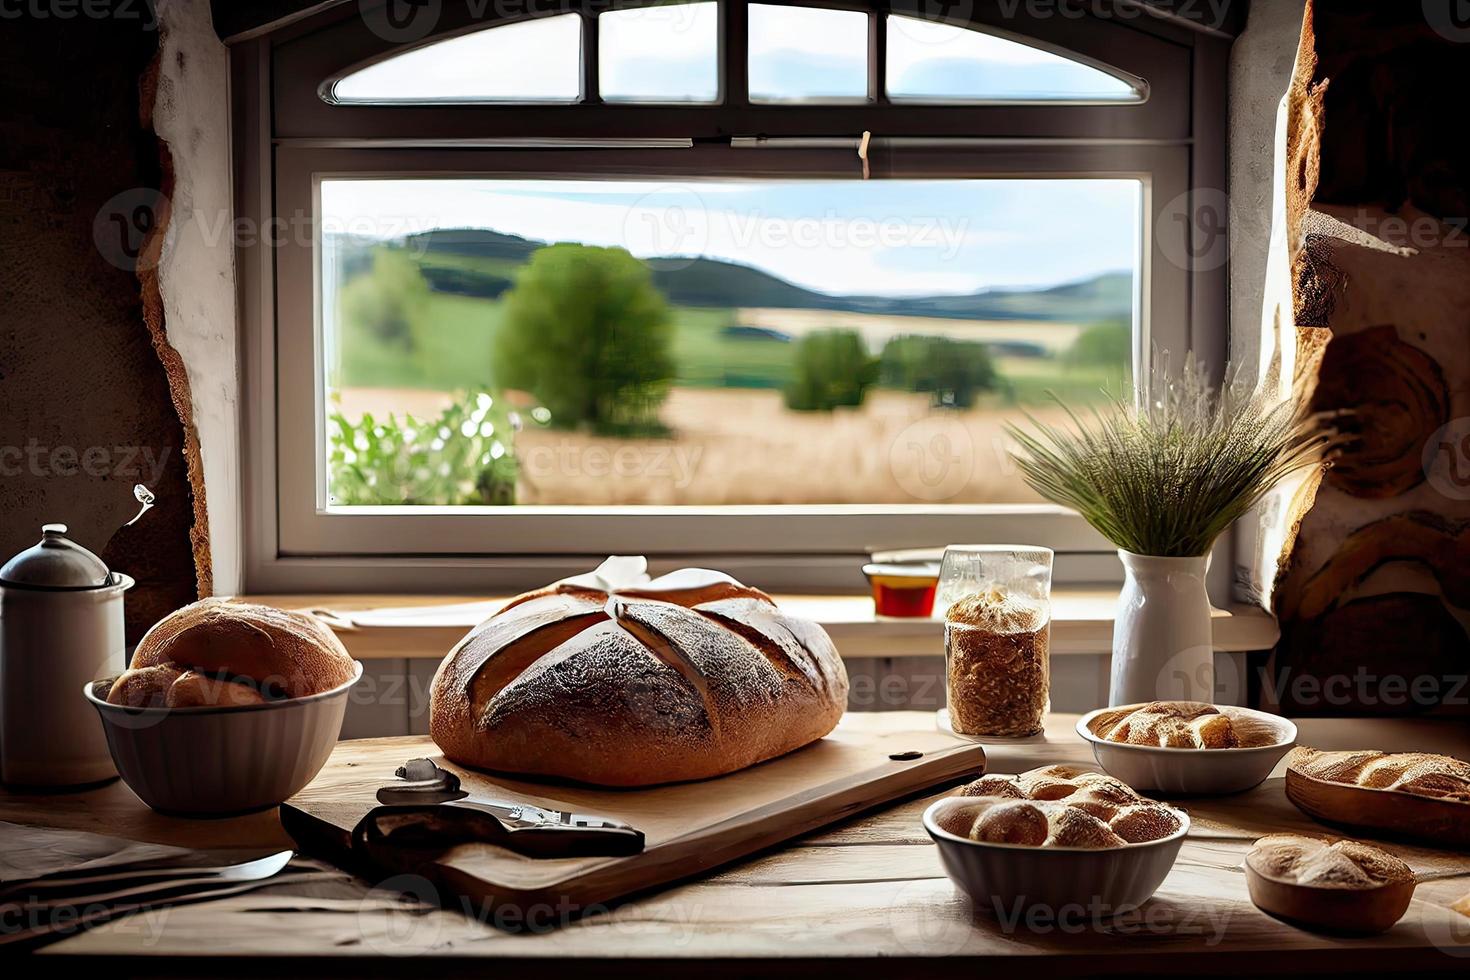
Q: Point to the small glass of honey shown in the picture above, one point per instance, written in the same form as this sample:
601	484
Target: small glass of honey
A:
903	590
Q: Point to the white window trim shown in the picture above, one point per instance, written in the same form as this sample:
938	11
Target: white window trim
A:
293	544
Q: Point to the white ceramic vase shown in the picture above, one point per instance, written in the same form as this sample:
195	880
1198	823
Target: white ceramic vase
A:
1162	644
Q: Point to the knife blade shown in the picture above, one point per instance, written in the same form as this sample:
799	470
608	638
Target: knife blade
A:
134	883
70	880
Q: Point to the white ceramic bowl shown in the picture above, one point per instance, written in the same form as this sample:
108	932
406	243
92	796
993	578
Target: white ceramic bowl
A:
1192	772
1010	879
217	761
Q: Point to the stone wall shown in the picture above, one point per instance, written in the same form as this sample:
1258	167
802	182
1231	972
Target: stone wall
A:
86	410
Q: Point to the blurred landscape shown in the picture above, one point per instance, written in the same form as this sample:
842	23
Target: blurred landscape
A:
772	392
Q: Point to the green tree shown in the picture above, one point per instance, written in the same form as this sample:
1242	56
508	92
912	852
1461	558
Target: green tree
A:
833	370
586	332
953	372
382	305
1108	344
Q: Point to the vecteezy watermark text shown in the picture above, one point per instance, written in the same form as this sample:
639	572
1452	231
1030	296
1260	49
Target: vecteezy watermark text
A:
675	465
141	11
142	463
1094	915
1363	688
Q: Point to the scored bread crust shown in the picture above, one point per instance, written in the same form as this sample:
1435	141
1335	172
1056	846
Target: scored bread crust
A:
292	653
636	687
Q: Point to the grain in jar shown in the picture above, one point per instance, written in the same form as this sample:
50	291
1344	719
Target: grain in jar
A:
997	652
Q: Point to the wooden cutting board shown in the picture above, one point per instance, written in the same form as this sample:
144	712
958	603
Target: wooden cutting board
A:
690	828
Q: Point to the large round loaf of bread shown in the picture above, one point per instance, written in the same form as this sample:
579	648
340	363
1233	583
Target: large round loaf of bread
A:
689	677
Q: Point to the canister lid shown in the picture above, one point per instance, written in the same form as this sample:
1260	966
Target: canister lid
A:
57	562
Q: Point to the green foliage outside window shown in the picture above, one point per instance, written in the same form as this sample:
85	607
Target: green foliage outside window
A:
464	457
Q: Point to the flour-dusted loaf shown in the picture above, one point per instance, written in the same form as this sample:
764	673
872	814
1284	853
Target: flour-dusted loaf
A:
1343	885
690	676
1182	725
1403	794
1419	773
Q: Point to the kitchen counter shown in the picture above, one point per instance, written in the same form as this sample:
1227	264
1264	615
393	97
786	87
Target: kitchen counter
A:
869	887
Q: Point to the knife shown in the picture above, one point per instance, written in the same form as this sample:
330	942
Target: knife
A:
111	889
93	878
167	895
429	811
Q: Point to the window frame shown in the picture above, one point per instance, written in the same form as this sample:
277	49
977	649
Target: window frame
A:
285	148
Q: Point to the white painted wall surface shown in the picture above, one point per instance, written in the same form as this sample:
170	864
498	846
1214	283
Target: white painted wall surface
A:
197	268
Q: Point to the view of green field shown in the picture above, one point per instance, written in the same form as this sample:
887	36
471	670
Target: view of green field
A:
772	393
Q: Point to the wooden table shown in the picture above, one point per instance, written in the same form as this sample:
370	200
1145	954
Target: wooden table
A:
871	887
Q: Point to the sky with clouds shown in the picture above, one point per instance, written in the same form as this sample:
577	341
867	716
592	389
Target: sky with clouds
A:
879	237
884	237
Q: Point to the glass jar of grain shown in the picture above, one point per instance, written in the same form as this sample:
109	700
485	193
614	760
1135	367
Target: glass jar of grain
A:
996	601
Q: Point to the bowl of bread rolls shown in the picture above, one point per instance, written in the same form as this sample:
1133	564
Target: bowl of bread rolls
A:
1055	837
1187	748
227	707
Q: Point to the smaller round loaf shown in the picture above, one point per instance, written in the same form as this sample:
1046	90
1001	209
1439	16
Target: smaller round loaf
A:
286	654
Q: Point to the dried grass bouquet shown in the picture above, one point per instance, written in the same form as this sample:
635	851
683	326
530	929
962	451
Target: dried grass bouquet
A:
1166	474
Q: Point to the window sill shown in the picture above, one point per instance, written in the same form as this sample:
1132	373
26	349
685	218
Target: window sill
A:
376	627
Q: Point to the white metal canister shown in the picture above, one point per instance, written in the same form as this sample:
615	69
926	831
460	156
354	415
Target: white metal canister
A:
61	625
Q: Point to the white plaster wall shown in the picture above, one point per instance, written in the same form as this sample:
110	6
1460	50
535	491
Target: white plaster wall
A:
197	268
1261	62
1262	329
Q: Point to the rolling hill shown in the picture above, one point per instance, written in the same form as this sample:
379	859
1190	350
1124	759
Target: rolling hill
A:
714	283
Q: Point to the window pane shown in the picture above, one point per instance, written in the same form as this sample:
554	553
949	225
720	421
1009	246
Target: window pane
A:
607	342
664	53
937	62
531	61
803	54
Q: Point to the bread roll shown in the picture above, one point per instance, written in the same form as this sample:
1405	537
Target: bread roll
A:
286	654
1015	822
144	687
196	690
1058	806
687	677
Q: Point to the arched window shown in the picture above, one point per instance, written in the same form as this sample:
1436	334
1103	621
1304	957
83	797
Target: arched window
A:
856	238
670	52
